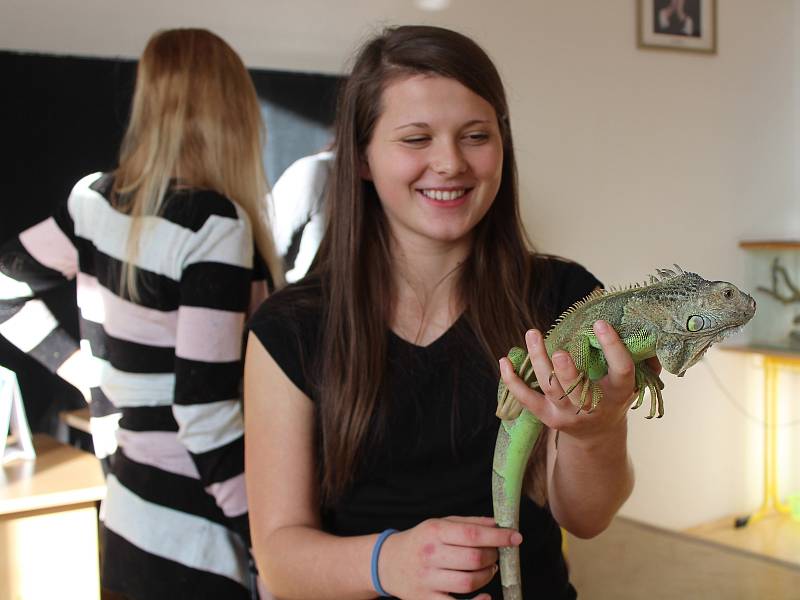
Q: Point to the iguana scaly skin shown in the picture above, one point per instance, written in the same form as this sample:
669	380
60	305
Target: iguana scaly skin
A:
676	317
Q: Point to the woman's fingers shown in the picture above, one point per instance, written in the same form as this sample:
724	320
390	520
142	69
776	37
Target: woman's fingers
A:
475	534
556	375
463	582
461	558
488	521
542	367
569	379
530	399
620	364
459	554
544	405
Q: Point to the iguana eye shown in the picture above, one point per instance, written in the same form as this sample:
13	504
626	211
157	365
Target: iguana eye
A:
728	293
696	323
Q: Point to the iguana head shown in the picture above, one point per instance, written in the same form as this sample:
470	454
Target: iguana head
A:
690	314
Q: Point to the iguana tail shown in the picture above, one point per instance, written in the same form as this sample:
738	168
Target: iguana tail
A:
515	441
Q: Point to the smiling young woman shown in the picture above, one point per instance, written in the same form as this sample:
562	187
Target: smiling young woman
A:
370	385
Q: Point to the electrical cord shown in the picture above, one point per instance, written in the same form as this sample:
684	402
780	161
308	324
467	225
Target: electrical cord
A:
734	402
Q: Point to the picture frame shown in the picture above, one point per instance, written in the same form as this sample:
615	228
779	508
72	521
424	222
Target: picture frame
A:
684	25
16	441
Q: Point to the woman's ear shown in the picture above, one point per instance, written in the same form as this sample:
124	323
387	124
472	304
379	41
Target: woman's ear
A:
363	169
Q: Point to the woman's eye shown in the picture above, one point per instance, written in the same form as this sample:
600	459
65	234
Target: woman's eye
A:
415	140
477	137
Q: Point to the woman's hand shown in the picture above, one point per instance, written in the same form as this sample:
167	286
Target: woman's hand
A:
589	473
558	411
442	556
77	370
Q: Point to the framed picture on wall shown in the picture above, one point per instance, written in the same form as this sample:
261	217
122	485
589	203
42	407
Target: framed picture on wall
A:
688	25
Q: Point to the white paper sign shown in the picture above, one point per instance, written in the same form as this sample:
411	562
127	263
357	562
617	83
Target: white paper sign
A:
15	435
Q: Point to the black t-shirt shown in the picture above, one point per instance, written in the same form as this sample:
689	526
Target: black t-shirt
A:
435	457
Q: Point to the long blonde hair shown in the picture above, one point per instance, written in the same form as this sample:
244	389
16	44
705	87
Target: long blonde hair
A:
195	118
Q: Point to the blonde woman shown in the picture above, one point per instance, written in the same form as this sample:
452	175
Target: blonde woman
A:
167	254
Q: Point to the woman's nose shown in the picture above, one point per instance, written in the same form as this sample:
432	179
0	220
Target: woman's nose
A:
449	160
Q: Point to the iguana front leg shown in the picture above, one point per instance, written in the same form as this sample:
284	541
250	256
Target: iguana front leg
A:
647	379
590	362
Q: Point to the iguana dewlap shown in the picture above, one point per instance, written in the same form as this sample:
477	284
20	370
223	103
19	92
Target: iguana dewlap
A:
675	317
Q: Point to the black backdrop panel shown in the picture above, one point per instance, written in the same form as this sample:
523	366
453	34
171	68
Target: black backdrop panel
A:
63	117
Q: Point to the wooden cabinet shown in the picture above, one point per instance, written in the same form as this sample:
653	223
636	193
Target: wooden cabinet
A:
48	524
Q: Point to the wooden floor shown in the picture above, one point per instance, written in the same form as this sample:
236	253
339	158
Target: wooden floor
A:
632	561
776	537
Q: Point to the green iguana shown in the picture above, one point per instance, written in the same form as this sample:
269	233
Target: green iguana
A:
676	317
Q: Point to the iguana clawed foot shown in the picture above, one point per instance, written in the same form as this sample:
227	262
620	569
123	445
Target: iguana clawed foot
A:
509	408
646	379
589	386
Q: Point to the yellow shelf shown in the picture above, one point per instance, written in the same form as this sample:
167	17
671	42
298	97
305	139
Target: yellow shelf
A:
773	360
770	245
784	354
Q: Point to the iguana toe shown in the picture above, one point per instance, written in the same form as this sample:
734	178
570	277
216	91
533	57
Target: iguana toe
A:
660	402
582	401
581	377
640	398
597	395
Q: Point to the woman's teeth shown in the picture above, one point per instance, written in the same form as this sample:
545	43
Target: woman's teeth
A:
444	194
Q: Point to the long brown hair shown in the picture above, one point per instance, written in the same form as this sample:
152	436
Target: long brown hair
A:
195	117
354	260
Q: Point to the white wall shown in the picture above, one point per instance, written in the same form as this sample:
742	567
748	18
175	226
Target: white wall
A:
629	159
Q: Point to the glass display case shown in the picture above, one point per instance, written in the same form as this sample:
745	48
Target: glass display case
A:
772	272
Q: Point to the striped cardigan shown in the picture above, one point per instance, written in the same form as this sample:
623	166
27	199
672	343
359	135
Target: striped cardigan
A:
168	365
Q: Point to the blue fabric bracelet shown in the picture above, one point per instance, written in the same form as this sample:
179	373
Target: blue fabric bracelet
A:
376	553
